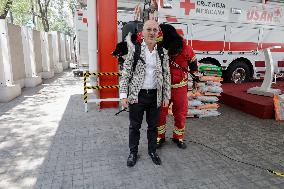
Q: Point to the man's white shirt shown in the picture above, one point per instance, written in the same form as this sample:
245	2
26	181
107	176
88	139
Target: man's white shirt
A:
150	79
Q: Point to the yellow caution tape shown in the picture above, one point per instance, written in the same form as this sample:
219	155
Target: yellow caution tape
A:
87	74
102	87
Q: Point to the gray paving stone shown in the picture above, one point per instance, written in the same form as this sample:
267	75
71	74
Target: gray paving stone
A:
46	135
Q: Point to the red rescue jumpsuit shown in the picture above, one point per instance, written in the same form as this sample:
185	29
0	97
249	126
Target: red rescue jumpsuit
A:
178	93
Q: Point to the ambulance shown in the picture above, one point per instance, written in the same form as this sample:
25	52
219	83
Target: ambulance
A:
230	33
81	33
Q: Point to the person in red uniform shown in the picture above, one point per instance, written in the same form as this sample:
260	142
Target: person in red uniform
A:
182	61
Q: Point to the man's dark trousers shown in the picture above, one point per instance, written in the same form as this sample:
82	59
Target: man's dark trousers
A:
147	101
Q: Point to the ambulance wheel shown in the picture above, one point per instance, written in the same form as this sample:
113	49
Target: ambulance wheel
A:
238	72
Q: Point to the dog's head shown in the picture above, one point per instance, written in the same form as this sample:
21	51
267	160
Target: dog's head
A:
120	49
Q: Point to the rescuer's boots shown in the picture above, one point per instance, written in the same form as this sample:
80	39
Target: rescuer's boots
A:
180	143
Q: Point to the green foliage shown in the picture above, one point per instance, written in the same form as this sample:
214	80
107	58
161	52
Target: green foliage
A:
61	19
60	14
62	26
21	12
2	6
5	7
73	4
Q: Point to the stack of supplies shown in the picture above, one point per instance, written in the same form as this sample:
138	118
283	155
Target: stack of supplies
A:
203	97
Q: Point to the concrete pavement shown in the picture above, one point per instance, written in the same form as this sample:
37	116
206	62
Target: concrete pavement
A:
47	141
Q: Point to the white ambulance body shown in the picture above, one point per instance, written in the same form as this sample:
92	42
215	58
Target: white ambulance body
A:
229	33
81	31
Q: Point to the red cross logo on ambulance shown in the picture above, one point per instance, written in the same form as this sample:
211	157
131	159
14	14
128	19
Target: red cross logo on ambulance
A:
187	5
264	15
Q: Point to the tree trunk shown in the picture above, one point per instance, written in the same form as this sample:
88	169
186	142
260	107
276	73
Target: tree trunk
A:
11	17
33	12
45	24
43	14
6	9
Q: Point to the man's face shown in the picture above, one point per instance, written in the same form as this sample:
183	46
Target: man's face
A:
150	31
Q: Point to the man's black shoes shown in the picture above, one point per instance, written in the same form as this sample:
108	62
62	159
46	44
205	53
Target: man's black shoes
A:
160	142
155	158
131	160
180	143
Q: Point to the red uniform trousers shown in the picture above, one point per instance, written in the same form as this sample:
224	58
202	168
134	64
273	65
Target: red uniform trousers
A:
179	109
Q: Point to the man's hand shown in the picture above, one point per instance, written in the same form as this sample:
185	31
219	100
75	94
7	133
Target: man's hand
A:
124	102
194	84
165	103
195	80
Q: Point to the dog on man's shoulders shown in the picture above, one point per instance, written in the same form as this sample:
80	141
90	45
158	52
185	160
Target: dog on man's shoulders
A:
121	50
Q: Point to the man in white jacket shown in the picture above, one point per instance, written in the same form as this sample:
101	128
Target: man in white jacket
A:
145	89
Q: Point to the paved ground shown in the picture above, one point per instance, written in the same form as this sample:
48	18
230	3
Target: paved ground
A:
47	141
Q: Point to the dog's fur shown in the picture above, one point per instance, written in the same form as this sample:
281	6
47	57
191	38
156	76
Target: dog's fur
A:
121	49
